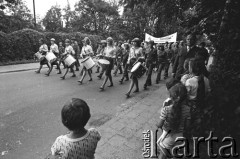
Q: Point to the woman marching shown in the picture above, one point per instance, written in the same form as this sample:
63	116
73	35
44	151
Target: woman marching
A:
87	51
43	50
134	55
54	49
109	53
68	51
125	64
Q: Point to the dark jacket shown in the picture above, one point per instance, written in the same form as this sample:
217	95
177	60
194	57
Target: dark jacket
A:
152	57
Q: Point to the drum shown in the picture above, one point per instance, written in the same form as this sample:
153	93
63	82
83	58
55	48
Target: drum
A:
39	56
88	63
104	63
69	60
51	57
138	69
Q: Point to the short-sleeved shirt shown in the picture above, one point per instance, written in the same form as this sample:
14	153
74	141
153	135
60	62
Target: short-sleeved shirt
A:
192	87
54	48
69	50
86	50
166	115
83	147
109	51
43	49
135	53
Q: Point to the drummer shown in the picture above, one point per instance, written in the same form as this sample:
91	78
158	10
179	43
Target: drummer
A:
68	51
54	49
77	51
110	54
61	51
104	45
134	56
43	50
87	51
100	50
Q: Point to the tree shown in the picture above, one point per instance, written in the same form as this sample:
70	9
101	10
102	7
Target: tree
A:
15	16
52	21
93	16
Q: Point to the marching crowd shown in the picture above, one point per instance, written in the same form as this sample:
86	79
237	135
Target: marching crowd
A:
188	86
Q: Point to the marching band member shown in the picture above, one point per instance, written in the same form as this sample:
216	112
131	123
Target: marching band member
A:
61	52
68	50
54	49
134	55
110	53
124	61
151	62
104	44
76	55
119	52
87	51
43	50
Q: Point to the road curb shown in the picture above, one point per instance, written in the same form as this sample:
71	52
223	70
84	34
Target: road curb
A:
18	70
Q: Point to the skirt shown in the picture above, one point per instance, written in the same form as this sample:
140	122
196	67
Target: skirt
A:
110	66
44	61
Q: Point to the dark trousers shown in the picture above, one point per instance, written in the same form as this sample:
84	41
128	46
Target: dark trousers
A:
125	72
165	66
149	75
119	67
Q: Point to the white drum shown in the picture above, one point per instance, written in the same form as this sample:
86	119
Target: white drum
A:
104	62
51	57
88	62
39	56
69	60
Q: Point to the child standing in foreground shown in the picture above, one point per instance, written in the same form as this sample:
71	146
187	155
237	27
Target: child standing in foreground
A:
79	143
173	118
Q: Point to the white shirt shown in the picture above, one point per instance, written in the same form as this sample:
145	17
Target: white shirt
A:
134	53
69	50
109	52
86	50
44	48
54	48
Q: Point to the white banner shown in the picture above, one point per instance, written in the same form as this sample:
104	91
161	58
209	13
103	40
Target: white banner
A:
169	38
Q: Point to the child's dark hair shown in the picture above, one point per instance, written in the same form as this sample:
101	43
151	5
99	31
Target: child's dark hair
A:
75	114
171	82
177	91
197	68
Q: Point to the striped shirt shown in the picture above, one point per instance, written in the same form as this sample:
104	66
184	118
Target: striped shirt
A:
82	148
166	115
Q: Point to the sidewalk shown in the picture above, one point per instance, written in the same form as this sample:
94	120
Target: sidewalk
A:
19	67
122	135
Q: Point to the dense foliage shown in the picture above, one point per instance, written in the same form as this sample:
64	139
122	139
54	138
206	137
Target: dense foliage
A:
21	45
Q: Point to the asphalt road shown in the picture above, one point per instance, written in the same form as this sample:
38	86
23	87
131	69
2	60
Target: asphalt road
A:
30	106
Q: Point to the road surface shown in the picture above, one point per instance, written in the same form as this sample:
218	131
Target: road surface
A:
30	106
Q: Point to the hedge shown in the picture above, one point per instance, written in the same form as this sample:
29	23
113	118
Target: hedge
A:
22	44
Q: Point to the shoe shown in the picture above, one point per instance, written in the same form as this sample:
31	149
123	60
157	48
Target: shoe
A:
37	71
99	77
157	82
120	73
145	87
90	79
121	81
111	85
97	72
101	88
77	69
127	79
137	90
115	74
74	75
80	82
59	73
127	95
62	77
47	74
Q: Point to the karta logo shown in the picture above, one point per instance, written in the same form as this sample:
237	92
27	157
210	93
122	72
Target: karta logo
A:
226	149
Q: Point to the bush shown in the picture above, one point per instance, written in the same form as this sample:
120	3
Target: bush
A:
21	45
